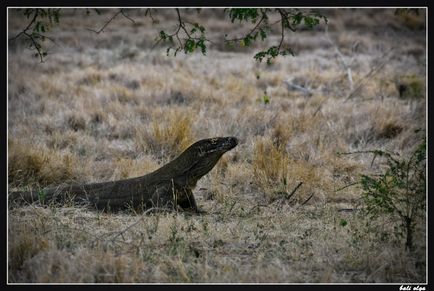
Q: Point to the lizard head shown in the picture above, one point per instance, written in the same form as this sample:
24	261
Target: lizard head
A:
198	159
212	146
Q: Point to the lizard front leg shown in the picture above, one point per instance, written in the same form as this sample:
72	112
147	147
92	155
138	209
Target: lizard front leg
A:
188	201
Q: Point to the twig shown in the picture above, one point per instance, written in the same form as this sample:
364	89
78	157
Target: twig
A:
127	17
181	23
31	37
293	191
120	233
284	23
348	209
251	31
181	26
256	206
307	199
346	186
284	16
107	23
370	74
362	82
27	27
121	11
36	46
387	152
319	108
148	10
344	61
376	153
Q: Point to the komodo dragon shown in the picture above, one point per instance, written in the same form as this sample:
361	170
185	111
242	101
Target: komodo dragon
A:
166	187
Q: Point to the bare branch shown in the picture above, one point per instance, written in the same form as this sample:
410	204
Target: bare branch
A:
107	23
282	33
148	10
307	200
293	191
36	46
346	186
181	24
127	17
116	234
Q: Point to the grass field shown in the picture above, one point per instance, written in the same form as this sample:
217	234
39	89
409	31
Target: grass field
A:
110	106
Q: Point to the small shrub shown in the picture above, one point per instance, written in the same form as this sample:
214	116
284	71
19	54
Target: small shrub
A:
411	87
399	191
23	246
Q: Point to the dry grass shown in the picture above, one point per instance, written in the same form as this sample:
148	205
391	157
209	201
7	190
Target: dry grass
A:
33	165
109	106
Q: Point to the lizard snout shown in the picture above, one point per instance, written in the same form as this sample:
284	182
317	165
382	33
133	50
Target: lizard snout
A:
232	141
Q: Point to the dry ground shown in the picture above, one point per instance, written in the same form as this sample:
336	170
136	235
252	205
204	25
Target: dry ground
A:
110	106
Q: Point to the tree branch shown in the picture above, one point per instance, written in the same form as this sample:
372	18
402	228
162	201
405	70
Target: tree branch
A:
107	23
127	17
27	27
148	10
121	11
251	31
282	33
36	46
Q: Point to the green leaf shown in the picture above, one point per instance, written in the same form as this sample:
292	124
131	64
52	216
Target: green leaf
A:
41	196
56	16
263	34
243	14
343	222
37	26
265	99
189	46
163	35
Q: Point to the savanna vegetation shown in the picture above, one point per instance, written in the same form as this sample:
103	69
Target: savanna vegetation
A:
326	185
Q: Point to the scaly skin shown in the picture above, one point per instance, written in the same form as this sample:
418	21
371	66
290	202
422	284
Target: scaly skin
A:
167	187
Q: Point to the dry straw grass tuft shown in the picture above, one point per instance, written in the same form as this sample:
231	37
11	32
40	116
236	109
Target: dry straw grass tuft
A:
168	135
37	165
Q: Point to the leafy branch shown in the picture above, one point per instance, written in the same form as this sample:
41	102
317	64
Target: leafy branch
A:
188	38
35	30
245	14
290	19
